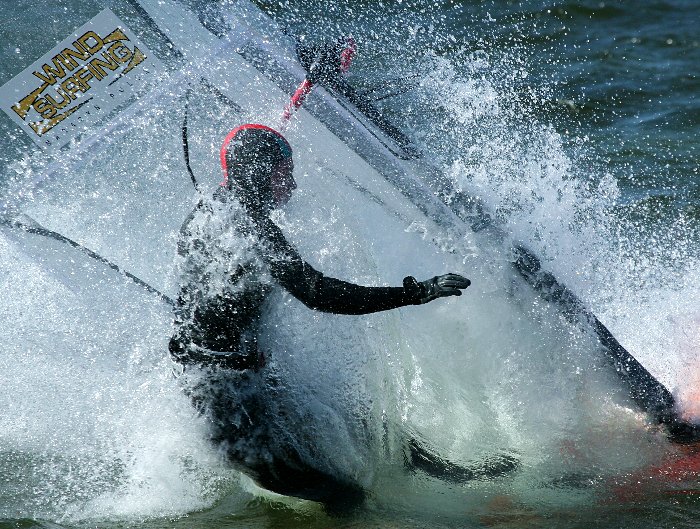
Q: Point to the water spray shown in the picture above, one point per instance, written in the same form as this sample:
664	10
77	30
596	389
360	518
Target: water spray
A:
327	64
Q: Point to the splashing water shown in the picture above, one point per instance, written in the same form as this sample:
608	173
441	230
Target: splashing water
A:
544	187
95	427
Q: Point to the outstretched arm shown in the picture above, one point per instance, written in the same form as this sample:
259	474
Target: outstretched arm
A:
328	294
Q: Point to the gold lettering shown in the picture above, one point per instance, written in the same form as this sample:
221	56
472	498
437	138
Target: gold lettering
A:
65	99
98	75
75	70
22	107
43	107
83	77
94	48
116	35
120	52
71	86
41	127
69	53
58	71
137	58
110	63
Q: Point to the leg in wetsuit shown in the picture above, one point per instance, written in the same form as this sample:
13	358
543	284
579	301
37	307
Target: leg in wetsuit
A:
246	410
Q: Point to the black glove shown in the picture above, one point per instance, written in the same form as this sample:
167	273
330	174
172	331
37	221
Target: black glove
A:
437	287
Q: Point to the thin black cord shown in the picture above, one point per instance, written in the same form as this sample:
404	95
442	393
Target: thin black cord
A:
397	93
36	229
185	142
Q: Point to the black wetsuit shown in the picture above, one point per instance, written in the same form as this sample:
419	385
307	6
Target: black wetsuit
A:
230	263
223	289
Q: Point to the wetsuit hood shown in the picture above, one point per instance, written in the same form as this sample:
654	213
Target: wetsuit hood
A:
257	164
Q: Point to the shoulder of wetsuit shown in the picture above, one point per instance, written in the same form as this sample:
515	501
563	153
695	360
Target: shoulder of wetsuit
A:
271	234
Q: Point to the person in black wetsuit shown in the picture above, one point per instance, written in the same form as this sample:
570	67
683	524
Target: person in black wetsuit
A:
231	255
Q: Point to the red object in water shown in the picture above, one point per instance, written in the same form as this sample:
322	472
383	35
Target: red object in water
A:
348	55
682	469
297	99
678	473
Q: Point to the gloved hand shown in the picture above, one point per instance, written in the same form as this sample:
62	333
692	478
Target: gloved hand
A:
437	287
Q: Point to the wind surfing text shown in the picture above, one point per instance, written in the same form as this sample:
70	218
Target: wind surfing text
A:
80	81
